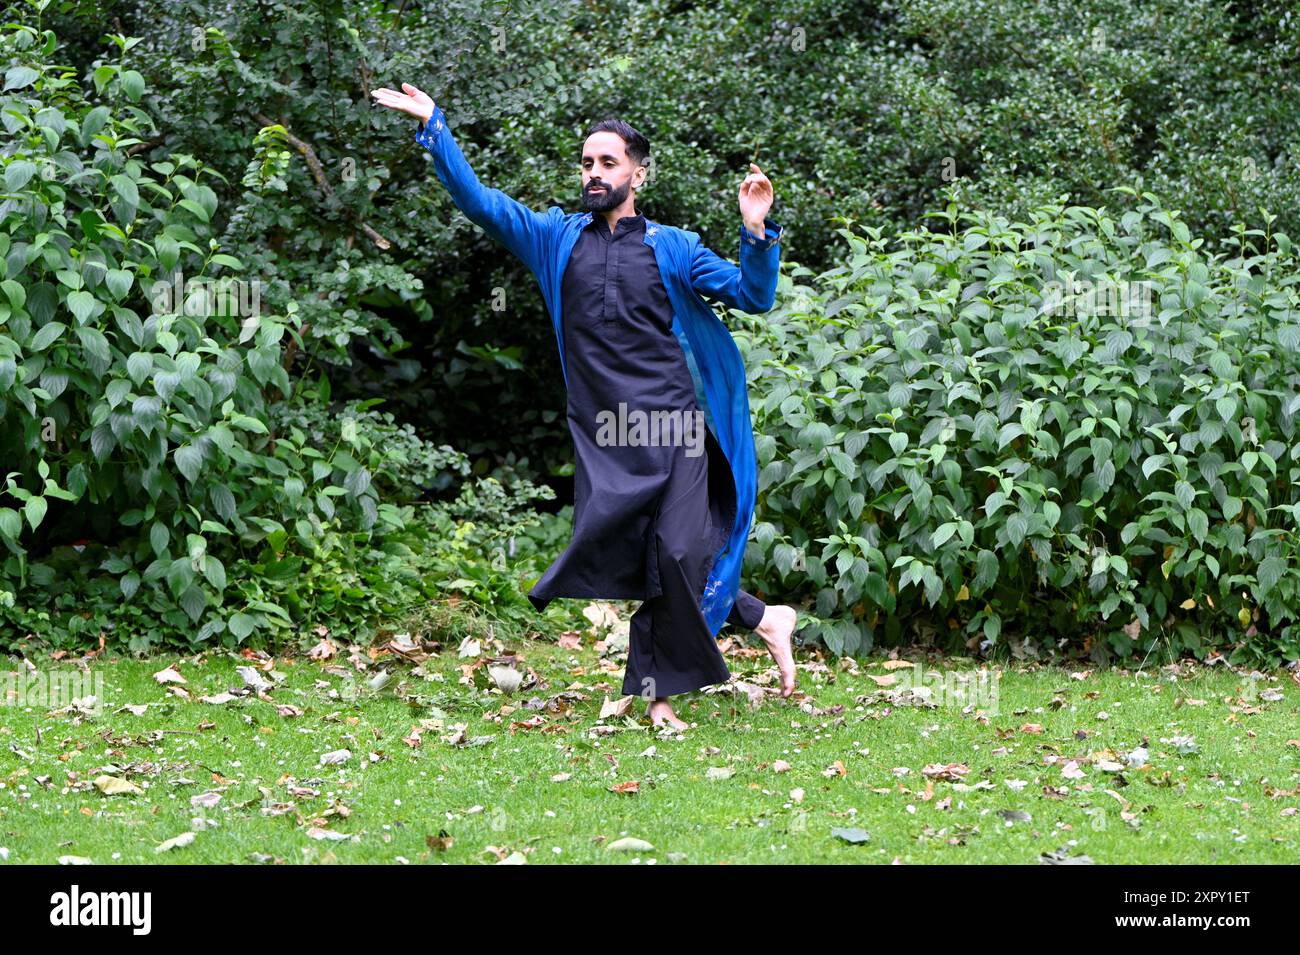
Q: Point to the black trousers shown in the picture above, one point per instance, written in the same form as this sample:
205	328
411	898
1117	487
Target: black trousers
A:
670	647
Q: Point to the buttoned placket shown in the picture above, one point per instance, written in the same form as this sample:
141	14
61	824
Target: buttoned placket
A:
609	315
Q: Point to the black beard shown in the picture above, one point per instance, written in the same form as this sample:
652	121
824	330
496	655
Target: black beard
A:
604	201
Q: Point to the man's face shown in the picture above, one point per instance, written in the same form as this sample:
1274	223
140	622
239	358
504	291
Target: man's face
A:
608	173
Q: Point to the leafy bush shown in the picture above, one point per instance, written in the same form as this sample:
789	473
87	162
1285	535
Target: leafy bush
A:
960	437
154	423
864	110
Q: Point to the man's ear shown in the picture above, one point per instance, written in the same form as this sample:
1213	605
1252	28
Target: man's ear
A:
639	176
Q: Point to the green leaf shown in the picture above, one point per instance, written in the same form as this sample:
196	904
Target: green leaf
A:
18	174
158	537
1270	572
82	305
943	533
194	601
1017	528
46	336
215	572
241	625
138	366
986	571
35	509
11	524
95	344
189	459
119	282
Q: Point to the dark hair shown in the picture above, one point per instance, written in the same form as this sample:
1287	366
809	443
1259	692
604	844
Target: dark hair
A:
638	147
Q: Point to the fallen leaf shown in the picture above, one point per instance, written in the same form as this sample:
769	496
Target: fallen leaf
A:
184	839
616	708
629	844
950	772
169	675
507	679
316	832
113	786
253	679
324	650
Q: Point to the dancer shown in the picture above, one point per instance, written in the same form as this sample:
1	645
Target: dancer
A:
658	409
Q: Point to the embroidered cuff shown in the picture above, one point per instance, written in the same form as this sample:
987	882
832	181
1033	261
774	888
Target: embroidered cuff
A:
771	236
430	130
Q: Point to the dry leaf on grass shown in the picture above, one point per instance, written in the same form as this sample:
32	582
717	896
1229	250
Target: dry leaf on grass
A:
169	675
115	786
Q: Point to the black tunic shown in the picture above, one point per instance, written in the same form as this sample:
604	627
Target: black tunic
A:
651	511
618	339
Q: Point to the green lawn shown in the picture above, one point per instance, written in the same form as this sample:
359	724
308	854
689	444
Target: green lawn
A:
531	775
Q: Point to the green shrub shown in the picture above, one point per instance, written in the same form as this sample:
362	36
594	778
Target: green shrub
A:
158	428
955	444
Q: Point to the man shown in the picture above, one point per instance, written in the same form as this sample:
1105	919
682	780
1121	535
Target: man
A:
660	514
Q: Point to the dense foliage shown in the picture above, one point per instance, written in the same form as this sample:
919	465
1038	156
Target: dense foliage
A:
866	110
151	429
229	476
1077	427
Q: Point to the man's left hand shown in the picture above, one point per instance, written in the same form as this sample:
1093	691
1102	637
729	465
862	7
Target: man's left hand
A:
755	200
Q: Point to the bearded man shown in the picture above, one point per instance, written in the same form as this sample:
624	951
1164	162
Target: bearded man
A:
660	521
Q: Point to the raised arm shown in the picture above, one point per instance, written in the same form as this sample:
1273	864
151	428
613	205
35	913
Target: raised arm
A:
751	286
508	221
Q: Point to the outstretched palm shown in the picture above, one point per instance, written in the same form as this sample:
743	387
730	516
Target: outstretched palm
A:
411	100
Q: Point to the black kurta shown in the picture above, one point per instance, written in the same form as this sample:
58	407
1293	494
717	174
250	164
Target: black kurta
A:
634	501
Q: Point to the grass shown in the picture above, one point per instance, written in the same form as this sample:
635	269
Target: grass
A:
494	777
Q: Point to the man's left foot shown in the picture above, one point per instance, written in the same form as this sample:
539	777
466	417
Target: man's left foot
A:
661	714
776	629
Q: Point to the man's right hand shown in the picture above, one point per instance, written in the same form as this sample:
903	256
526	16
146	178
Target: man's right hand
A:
411	100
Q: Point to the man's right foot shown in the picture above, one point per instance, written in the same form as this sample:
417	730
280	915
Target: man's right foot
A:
776	629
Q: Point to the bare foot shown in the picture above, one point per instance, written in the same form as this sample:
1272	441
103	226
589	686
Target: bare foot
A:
661	713
776	628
